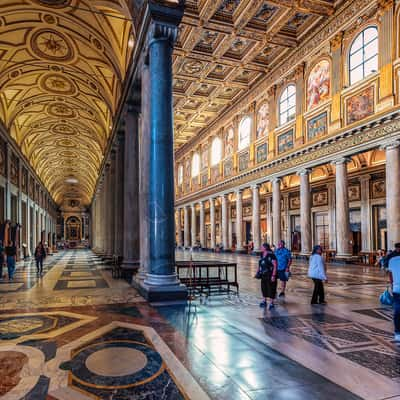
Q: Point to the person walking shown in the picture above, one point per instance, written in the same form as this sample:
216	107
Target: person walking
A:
267	268
393	263
11	254
40	255
317	272
284	257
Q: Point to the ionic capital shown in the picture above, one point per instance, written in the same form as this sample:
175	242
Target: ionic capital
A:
390	144
340	161
304	171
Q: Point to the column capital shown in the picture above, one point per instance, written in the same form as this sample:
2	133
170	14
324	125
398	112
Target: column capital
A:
276	180
365	178
239	191
341	160
193	206
390	144
304	171
255	186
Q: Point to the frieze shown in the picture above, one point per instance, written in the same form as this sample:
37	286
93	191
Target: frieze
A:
367	136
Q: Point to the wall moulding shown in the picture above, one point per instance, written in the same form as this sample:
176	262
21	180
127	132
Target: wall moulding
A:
344	144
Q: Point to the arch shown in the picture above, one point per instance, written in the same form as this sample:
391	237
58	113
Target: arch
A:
216	151
195	165
287	104
244	132
318	83
363	54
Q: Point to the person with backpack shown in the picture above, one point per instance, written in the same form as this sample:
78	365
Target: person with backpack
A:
267	272
393	267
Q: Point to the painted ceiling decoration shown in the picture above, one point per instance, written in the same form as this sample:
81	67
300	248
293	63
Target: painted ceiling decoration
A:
62	70
225	47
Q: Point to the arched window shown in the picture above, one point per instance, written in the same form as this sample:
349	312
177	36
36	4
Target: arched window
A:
244	133
216	151
195	165
180	174
287	104
363	55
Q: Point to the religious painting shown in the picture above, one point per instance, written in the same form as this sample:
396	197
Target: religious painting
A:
294	202
37	193
285	141
32	188
214	173
228	167
2	157
378	189
244	159
229	141
360	106
318	84
317	126
24	180
262	120
204	179
195	183
262	153
204	157
14	169
247	211
320	198
354	193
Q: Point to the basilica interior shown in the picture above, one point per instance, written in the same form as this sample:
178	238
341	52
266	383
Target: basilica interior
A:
153	147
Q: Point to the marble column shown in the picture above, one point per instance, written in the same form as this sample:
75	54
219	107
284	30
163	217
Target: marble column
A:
305	212
203	243
366	222
229	227
161	281
276	211
256	229
186	234
179	228
332	215
112	204
224	220
392	193
239	220
193	225
212	223
343	245
269	219
130	190
107	196
118	195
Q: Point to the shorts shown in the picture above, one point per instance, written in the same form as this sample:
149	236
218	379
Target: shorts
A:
282	276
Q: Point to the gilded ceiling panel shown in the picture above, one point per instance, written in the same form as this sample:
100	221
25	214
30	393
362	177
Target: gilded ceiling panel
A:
62	69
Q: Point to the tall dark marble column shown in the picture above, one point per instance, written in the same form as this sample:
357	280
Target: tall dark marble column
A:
161	281
118	195
112	203
131	192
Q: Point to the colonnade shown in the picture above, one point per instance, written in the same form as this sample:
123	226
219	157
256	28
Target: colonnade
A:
277	207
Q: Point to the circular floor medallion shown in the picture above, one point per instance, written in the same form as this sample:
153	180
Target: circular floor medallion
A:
116	361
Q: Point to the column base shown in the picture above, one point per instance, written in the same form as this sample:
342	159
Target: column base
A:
161	288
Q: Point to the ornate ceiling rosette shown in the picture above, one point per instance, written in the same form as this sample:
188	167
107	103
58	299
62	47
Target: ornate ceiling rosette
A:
62	70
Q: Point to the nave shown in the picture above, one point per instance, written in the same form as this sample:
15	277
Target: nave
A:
76	333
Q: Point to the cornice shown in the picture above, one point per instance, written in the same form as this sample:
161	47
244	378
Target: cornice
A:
344	18
344	144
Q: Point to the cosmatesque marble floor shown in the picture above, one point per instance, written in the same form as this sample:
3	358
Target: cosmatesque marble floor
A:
76	333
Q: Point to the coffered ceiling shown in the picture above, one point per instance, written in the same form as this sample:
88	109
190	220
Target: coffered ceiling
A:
226	46
62	69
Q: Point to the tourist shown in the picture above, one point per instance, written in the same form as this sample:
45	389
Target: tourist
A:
267	268
317	272
11	253
40	255
393	263
380	258
284	257
2	262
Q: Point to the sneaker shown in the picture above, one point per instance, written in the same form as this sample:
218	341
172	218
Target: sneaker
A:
263	304
281	294
271	306
397	337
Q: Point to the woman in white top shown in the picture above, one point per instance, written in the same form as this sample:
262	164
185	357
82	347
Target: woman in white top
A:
317	272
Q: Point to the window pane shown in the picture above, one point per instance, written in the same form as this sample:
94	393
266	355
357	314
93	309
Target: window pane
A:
357	44
369	34
282	118
356	75
291	113
371	66
291	90
356	59
284	106
292	101
371	49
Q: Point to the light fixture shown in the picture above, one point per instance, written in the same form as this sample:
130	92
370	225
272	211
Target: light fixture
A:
131	41
71	180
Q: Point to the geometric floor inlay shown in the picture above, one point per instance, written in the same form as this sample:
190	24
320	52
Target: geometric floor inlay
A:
369	347
382	313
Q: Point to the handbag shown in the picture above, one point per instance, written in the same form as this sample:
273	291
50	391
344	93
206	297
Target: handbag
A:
386	298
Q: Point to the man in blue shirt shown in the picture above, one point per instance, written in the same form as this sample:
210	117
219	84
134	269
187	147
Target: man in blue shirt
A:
284	257
393	263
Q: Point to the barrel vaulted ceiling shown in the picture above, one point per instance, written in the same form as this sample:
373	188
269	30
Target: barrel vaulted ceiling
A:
62	70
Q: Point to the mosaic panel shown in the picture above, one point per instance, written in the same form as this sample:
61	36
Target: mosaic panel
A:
285	141
228	167
317	126
244	159
361	105
262	153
